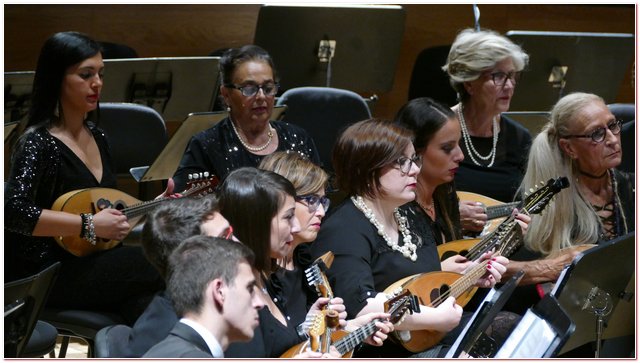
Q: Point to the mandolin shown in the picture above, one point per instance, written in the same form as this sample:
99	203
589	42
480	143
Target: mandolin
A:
432	288
397	307
495	210
534	203
93	200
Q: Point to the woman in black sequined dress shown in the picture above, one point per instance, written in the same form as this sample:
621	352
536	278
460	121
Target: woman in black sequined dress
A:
61	152
249	85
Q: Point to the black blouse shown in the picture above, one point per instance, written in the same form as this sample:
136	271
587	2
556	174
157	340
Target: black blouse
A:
500	181
363	263
43	168
219	151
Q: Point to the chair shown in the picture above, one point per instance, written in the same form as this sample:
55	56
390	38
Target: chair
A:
323	112
626	112
117	51
23	302
429	80
111	341
137	134
81	324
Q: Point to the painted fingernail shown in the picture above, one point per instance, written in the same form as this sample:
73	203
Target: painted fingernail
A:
489	266
493	259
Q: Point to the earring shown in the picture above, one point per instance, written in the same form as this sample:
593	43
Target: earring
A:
228	109
56	110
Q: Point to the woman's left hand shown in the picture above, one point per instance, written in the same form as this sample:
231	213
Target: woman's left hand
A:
496	267
168	193
384	327
523	220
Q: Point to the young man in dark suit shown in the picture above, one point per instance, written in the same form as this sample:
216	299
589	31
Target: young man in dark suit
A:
213	288
170	224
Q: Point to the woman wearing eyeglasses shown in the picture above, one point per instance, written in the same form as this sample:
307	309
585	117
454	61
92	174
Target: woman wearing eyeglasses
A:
373	242
310	182
581	141
249	84
484	68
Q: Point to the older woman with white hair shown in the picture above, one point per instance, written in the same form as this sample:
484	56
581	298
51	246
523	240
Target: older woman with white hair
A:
582	142
484	68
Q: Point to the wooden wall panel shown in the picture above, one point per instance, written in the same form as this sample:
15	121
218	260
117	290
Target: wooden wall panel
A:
195	30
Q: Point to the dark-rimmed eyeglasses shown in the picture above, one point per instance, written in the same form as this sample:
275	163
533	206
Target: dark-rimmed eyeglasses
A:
405	163
598	135
250	90
313	201
500	78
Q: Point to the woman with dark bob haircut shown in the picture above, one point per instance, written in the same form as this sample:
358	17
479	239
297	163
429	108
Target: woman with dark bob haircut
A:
60	152
249	84
373	243
260	206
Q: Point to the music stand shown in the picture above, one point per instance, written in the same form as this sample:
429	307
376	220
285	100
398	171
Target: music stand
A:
17	95
173	86
470	340
590	288
354	47
540	333
565	62
169	158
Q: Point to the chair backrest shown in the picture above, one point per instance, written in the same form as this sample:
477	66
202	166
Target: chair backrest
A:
626	112
137	134
112	341
117	51
23	301
429	80
323	112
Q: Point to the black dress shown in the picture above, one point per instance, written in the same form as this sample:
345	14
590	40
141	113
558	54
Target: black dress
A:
527	296
500	181
271	338
219	151
43	168
364	265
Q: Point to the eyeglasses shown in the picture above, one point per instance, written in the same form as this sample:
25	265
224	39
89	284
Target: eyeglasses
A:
250	90
314	201
598	135
500	78
405	162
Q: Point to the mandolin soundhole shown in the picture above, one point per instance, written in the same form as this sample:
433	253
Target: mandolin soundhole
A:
436	293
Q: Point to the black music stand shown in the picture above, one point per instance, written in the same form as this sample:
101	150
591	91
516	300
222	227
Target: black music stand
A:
173	86
354	47
472	340
565	62
541	332
17	95
594	287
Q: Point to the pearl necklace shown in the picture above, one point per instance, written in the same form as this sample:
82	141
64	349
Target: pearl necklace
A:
469	145
408	249
246	144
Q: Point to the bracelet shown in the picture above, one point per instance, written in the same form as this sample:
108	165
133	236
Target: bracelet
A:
302	331
88	228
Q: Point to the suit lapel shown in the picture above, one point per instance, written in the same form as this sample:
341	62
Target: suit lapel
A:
187	333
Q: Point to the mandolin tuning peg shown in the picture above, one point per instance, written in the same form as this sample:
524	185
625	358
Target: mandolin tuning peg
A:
531	190
190	176
535	186
206	174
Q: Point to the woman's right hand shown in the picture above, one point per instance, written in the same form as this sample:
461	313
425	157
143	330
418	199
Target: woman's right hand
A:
111	224
449	314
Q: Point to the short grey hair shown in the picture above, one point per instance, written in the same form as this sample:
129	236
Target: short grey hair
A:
473	52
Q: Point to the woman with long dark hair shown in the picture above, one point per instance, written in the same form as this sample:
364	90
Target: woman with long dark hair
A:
60	152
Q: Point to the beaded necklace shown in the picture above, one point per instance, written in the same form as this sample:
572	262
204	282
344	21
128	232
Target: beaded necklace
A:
408	249
246	144
473	153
